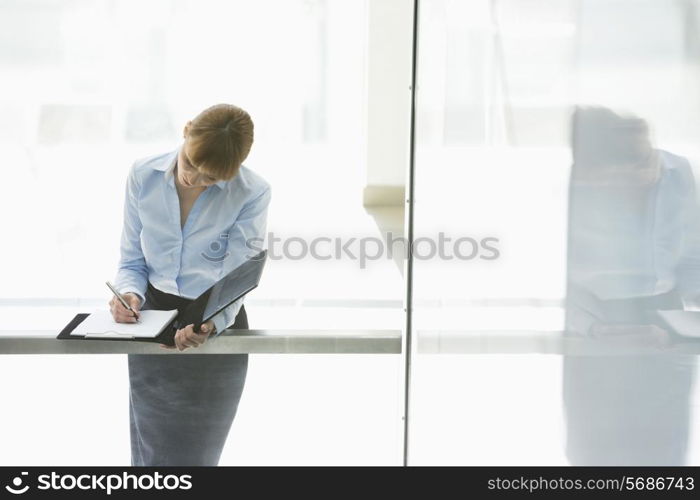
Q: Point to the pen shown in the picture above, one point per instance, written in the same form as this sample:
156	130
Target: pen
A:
116	294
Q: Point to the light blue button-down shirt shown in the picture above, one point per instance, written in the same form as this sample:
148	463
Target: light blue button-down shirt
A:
225	227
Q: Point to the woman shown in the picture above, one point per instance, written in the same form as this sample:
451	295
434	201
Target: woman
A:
188	217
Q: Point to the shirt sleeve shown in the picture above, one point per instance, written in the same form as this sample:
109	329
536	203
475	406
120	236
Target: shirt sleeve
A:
677	228
689	264
246	238
132	275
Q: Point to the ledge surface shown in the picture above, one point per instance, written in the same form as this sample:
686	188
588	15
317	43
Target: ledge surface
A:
229	342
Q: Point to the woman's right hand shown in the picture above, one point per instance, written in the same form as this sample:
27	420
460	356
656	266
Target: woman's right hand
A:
120	313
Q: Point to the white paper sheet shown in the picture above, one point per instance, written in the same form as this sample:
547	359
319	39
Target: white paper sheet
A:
686	323
100	323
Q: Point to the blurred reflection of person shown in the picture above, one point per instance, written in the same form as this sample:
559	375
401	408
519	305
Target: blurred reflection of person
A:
634	249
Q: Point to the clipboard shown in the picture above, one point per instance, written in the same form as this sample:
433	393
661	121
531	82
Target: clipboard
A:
216	298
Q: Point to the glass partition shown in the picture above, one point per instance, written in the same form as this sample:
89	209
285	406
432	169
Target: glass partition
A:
91	86
556	154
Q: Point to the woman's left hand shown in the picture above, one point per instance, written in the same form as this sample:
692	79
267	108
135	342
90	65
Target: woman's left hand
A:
187	337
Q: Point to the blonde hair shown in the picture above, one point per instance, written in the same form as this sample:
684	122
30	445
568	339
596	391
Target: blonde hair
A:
218	140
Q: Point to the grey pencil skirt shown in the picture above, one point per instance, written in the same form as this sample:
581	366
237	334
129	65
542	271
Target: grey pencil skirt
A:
181	406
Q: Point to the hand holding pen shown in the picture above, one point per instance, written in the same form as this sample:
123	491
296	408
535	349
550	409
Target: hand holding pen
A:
125	307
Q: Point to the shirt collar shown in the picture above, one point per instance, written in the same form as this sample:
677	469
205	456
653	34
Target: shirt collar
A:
168	166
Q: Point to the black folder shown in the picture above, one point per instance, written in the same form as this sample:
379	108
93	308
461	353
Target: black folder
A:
216	298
